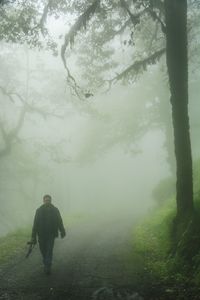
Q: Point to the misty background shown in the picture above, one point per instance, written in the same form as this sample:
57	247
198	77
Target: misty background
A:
103	156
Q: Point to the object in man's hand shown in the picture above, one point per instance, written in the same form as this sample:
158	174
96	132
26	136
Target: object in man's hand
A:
30	248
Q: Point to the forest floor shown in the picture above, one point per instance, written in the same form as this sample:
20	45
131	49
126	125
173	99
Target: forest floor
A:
96	261
90	263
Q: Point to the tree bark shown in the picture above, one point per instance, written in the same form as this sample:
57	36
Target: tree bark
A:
177	63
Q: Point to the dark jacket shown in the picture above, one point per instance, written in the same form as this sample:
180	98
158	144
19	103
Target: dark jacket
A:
47	222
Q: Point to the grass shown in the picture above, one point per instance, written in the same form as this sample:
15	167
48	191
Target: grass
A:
151	244
158	274
12	244
150	256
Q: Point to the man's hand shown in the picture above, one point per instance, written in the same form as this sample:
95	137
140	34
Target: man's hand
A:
62	234
33	241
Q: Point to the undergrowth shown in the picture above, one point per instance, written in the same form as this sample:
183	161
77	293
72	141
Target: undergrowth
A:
12	244
178	277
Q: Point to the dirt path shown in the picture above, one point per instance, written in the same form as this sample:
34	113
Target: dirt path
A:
88	264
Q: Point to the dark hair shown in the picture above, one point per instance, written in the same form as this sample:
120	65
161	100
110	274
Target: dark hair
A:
47	196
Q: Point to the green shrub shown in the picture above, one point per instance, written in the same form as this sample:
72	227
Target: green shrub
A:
152	240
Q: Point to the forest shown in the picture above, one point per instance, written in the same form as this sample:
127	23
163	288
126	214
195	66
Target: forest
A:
99	150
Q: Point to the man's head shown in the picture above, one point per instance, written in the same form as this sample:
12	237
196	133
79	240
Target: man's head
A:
47	199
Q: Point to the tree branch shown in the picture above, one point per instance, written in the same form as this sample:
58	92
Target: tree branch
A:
44	16
6	93
73	84
29	107
135	18
117	32
138	66
43	19
69	39
9	137
79	24
12	135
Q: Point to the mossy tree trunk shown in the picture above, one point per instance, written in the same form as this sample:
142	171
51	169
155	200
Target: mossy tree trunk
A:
177	63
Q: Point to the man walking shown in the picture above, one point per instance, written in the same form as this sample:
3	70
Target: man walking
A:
47	223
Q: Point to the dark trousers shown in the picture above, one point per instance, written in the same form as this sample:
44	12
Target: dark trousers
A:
46	245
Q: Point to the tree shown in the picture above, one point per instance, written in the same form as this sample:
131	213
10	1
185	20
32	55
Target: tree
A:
132	16
177	63
175	31
25	106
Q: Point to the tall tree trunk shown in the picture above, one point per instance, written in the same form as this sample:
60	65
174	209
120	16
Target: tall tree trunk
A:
177	63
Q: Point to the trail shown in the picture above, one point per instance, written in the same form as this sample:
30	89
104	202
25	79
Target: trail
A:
88	264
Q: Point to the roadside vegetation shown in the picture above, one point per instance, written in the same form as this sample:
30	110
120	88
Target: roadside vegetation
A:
13	244
161	271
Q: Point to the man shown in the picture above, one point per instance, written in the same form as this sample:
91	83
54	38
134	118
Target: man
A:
47	223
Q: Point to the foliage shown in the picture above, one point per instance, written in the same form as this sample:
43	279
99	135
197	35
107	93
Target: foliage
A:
152	239
119	30
26	22
177	274
138	26
13	244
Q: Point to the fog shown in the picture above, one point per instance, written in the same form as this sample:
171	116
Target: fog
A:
99	157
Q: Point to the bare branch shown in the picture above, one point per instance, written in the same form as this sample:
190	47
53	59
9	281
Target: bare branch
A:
6	93
27	106
73	84
12	135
